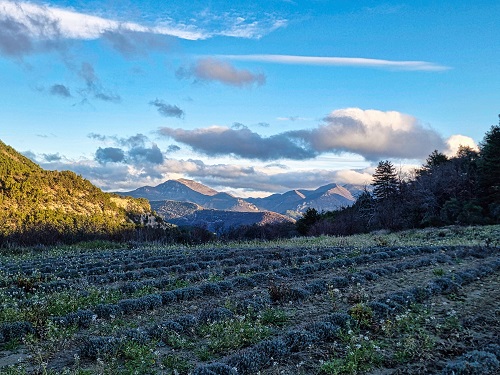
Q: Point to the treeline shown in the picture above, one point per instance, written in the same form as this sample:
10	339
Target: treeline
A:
461	190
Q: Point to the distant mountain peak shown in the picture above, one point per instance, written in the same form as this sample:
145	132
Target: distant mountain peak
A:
196	186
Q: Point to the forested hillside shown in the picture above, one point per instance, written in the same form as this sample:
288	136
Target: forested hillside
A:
46	206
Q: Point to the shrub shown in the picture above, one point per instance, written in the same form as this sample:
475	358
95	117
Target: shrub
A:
15	330
325	331
97	347
168	297
362	314
342	320
210	289
151	301
80	318
298	340
214	369
187	294
473	363
317	286
381	309
247	362
107	311
215	315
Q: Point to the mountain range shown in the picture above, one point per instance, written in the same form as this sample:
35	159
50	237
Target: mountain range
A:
187	202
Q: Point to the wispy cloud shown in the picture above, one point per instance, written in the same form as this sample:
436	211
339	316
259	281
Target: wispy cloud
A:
210	69
94	86
339	61
75	25
292	118
23	25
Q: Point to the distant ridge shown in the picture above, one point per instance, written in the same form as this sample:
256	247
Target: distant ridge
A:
184	190
187	202
325	198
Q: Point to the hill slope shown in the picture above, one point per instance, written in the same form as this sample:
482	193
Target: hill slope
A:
219	221
42	204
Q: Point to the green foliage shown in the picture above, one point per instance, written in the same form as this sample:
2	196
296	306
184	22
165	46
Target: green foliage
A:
233	334
434	160
275	317
361	355
39	206
362	314
175	364
139	358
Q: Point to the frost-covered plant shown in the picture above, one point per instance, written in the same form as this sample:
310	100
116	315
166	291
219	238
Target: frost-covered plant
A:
298	340
81	318
215	369
317	286
382	310
187	294
151	301
210	289
168	297
473	363
215	315
325	331
107	311
96	347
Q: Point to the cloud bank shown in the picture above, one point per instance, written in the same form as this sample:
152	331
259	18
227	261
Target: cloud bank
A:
372	134
239	142
210	69
125	163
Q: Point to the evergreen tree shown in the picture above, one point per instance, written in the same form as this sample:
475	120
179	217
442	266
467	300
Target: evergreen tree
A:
434	160
385	180
489	171
308	219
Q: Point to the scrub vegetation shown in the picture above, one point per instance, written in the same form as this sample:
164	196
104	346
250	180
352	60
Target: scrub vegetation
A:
419	301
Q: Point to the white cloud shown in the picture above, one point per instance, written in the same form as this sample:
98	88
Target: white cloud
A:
455	141
373	134
339	61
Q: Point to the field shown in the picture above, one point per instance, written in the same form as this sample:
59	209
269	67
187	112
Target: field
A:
413	302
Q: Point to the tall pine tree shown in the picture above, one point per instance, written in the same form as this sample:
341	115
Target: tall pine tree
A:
385	180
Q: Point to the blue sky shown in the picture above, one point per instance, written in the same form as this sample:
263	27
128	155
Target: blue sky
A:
247	97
